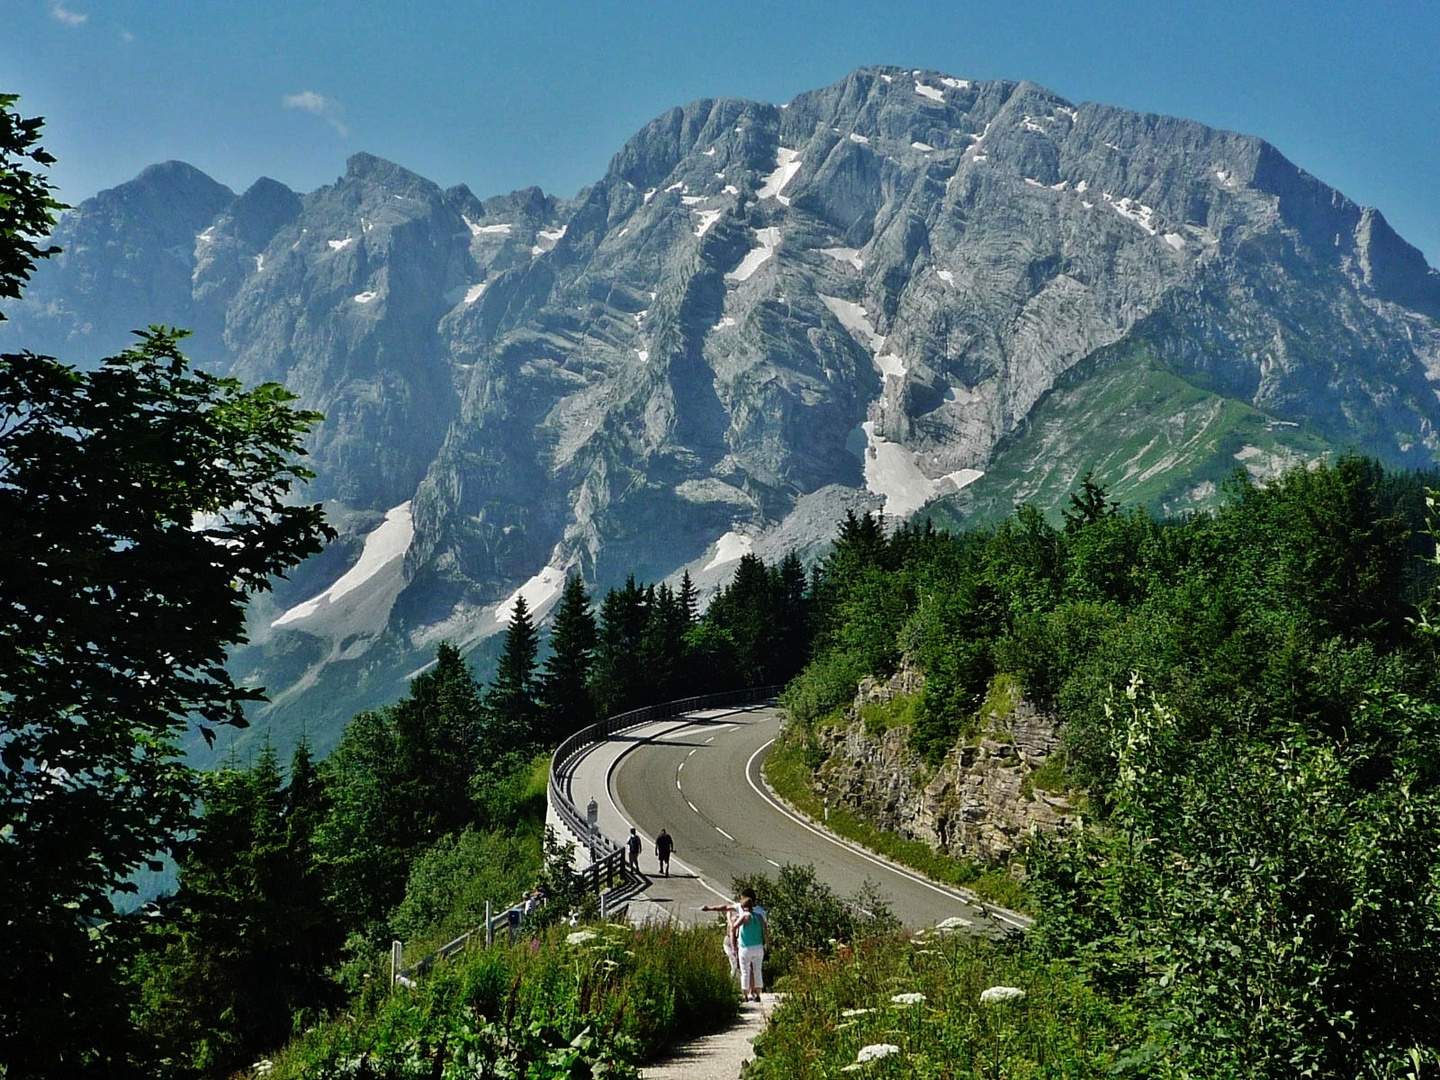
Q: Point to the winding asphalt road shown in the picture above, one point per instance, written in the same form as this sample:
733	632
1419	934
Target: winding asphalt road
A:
699	778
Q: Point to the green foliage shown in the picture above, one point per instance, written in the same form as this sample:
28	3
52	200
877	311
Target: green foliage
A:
880	716
1276	907
838	1004
248	940
805	916
565	680
27	212
451	881
144	503
399	780
594	1001
512	703
827	682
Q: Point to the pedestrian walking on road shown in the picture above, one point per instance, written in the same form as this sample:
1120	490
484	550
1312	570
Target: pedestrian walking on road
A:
752	938
664	845
633	846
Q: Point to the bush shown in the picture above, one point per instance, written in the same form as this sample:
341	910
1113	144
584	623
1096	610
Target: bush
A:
828	682
806	916
451	881
922	997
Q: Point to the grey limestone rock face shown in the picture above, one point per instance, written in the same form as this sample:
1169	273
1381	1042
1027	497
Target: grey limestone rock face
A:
869	297
979	803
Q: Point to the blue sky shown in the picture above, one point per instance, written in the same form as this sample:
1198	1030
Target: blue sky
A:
499	95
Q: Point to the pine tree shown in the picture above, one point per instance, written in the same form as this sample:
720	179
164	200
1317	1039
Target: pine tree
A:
512	700
618	678
564	684
689	601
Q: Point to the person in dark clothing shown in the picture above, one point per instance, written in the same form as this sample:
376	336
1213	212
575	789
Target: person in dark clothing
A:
664	845
632	845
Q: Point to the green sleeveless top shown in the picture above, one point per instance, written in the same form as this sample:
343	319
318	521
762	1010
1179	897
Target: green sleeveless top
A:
751	932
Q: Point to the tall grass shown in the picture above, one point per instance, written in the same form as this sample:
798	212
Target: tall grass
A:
599	999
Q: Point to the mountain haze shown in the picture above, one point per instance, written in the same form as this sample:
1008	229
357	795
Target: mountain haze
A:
902	291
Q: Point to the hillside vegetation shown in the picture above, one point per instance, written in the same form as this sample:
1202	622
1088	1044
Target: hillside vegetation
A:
1248	702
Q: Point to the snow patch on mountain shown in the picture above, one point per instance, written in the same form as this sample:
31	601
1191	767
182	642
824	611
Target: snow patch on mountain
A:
756	256
539	593
846	255
730	548
707	218
855	319
931	92
381	558
787	164
892	473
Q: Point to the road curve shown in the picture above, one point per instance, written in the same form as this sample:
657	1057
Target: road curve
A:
700	780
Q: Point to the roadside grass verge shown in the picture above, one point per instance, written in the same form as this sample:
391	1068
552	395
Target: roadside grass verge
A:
920	1000
788	770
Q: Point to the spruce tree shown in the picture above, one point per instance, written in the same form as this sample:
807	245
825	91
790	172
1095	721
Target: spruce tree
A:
618	679
564	683
689	600
512	701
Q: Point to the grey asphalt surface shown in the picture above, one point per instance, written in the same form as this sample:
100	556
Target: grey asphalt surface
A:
700	780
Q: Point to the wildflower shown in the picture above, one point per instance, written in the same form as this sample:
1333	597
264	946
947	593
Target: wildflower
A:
908	999
855	1012
579	937
870	1053
1000	993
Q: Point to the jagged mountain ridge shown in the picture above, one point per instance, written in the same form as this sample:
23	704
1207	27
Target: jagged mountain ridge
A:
759	316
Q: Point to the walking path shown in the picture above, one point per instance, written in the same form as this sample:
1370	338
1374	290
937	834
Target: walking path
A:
719	1056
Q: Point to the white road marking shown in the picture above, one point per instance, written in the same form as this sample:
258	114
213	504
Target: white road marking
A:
773	863
677	784
723	833
681	766
709	740
692	806
692	752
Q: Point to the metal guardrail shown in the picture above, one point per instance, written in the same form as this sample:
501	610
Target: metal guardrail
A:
567	751
608	865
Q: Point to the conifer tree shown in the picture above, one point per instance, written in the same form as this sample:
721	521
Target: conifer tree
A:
512	700
689	601
564	683
618	679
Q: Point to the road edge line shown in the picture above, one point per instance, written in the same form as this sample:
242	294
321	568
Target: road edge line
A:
780	803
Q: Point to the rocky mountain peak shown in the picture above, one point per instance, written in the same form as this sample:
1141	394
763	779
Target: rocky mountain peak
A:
906	290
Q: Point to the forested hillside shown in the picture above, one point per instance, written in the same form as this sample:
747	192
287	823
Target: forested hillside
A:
1247	701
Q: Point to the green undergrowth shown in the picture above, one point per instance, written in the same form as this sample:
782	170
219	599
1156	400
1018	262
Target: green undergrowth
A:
880	716
566	1003
921	999
789	770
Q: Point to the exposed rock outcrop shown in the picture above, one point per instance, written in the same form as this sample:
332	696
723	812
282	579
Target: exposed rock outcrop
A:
905	290
979	803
